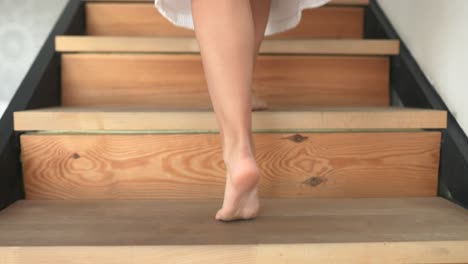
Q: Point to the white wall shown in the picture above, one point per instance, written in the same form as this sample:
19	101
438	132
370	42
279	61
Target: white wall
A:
24	26
436	33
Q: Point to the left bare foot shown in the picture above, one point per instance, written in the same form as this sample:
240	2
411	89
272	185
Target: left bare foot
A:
240	197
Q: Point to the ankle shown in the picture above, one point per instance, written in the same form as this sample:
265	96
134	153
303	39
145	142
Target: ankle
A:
240	148
237	153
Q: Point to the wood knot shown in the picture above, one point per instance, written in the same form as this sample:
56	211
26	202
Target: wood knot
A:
297	138
315	181
76	156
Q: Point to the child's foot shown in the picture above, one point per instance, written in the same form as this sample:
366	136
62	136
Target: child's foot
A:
240	197
258	104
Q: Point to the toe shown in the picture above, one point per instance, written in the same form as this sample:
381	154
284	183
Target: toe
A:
219	215
225	215
222	215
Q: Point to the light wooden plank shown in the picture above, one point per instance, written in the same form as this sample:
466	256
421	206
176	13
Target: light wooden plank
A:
449	252
143	19
190	45
333	2
174	166
397	230
161	119
178	80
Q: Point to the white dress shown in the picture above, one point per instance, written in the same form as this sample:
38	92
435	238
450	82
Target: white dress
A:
284	14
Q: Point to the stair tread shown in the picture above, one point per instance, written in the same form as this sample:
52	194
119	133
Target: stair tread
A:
191	222
383	230
189	44
166	118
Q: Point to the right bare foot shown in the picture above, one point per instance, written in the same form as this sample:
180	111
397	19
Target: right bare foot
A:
241	196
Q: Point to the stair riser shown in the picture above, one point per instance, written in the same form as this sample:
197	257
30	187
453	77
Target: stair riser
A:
178	80
157	166
143	19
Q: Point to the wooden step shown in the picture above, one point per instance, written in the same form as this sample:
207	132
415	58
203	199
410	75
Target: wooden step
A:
397	230
147	154
143	19
179	80
169	119
190	45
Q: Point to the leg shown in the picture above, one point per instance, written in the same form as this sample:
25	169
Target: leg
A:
260	12
225	32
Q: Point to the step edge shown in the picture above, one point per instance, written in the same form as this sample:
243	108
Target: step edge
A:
105	44
437	120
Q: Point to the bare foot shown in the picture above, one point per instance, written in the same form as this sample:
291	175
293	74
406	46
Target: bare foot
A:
258	104
240	197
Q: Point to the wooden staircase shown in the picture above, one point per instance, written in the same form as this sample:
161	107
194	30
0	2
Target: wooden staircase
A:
128	169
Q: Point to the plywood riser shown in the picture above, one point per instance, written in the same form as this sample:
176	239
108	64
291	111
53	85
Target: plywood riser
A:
179	80
143	19
346	253
159	166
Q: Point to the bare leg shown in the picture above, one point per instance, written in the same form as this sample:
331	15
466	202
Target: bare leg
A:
260	12
226	36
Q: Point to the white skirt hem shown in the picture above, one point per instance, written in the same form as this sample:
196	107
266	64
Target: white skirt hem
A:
274	25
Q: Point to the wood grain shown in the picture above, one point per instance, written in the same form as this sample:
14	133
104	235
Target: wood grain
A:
179	80
143	19
390	230
172	166
190	45
186	120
